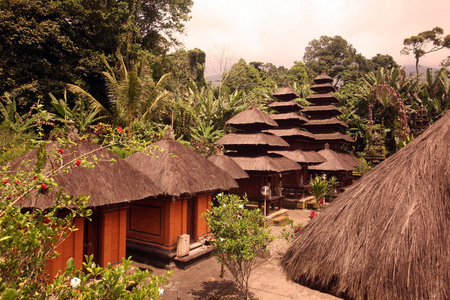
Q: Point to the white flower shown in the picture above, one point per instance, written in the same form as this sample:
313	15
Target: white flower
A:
74	282
161	291
221	239
241	206
219	195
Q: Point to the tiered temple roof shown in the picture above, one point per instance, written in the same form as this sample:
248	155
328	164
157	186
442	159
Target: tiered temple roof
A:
249	145
290	123
323	122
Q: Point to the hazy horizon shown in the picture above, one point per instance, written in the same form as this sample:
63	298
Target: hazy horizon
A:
278	32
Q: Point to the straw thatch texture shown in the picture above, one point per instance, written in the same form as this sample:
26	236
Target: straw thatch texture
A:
323	87
285	106
323	78
238	140
179	170
291	117
350	159
337	136
388	235
291	132
227	164
252	119
327	97
270	163
312	109
286	93
335	162
326	122
302	157
106	183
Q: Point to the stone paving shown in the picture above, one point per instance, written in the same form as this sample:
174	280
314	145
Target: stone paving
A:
202	281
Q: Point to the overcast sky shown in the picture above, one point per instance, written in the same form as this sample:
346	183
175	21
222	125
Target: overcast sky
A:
277	31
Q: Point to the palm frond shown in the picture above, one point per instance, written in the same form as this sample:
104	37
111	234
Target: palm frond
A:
94	103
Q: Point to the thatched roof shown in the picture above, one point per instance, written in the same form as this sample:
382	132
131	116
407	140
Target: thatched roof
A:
106	183
286	93
289	117
292	132
285	106
263	140
350	159
323	87
337	136
323	78
252	119
227	164
320	98
271	163
388	235
326	122
302	157
179	170
335	162
319	109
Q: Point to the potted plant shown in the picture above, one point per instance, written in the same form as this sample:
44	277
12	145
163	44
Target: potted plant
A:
319	189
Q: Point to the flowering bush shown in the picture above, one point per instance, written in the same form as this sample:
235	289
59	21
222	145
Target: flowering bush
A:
119	282
290	230
29	237
239	236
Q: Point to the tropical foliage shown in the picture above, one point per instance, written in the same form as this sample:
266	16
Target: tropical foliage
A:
113	57
240	235
29	238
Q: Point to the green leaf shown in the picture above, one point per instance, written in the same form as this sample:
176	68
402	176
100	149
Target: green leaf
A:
9	294
70	265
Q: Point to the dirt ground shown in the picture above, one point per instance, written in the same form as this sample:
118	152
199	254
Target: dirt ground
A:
202	281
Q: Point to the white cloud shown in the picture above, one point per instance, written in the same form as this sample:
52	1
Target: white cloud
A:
278	31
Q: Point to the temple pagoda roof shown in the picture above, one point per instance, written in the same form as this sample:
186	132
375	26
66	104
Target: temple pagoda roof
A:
286	93
326	122
285	106
252	119
290	116
292	132
326	97
337	136
243	140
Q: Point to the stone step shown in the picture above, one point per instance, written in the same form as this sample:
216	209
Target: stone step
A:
281	221
195	256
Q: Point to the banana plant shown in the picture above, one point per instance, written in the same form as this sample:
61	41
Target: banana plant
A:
80	114
18	123
133	95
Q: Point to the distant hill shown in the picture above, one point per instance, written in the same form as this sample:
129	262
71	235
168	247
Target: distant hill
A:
411	69
212	78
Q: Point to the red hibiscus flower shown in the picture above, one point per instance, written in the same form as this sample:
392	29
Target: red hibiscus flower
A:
312	214
60	151
5	180
322	201
77	162
119	129
17	181
21	199
43	187
34	177
46	220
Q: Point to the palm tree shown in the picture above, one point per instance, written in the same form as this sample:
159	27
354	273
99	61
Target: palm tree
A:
133	94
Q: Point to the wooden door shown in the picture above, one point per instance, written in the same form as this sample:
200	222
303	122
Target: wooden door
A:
92	237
